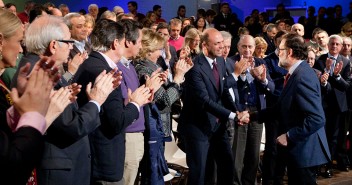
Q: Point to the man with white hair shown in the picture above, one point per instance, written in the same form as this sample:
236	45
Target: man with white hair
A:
346	47
66	141
81	48
118	10
298	28
93	10
335	70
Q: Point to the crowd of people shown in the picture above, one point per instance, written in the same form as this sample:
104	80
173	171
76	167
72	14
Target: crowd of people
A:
90	98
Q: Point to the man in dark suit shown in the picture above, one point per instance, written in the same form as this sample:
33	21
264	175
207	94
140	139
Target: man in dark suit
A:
300	114
66	155
203	118
81	48
108	140
222	21
335	101
252	82
271	31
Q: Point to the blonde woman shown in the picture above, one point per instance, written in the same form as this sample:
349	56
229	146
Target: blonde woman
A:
260	47
158	126
191	44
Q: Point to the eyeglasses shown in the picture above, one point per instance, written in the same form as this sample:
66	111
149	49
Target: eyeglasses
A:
67	41
281	49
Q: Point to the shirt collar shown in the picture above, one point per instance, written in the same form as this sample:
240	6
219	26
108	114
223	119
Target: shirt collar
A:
210	61
110	62
125	61
293	68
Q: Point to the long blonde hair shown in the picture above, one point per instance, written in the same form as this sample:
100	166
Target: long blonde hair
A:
9	23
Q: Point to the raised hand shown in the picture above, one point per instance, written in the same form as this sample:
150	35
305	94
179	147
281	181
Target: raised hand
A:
74	90
324	78
58	102
338	68
259	72
241	66
102	87
140	96
44	63
74	63
117	77
155	81
36	92
328	64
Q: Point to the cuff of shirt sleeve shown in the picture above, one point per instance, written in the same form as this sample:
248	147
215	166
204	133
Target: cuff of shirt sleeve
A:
232	116
68	76
265	82
234	76
32	119
136	104
96	103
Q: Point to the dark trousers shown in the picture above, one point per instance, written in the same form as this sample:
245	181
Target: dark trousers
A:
197	150
301	176
274	158
246	148
336	130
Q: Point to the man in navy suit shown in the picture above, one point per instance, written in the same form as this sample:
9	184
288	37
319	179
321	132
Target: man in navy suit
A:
300	114
203	118
108	140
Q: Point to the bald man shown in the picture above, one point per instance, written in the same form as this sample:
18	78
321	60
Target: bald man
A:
298	28
203	117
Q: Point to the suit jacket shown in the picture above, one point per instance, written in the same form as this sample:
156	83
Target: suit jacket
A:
336	98
230	66
271	45
221	23
202	105
108	141
300	114
66	157
19	153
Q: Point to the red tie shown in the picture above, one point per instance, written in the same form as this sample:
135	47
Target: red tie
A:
216	75
286	78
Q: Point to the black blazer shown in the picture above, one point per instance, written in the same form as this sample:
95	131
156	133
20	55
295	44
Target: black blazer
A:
336	98
202	104
108	141
66	156
19	153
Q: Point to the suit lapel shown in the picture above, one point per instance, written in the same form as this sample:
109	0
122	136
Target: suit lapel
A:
204	65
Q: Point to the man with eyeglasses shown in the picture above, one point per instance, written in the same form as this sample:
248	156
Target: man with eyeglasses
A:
335	70
67	157
252	83
300	114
